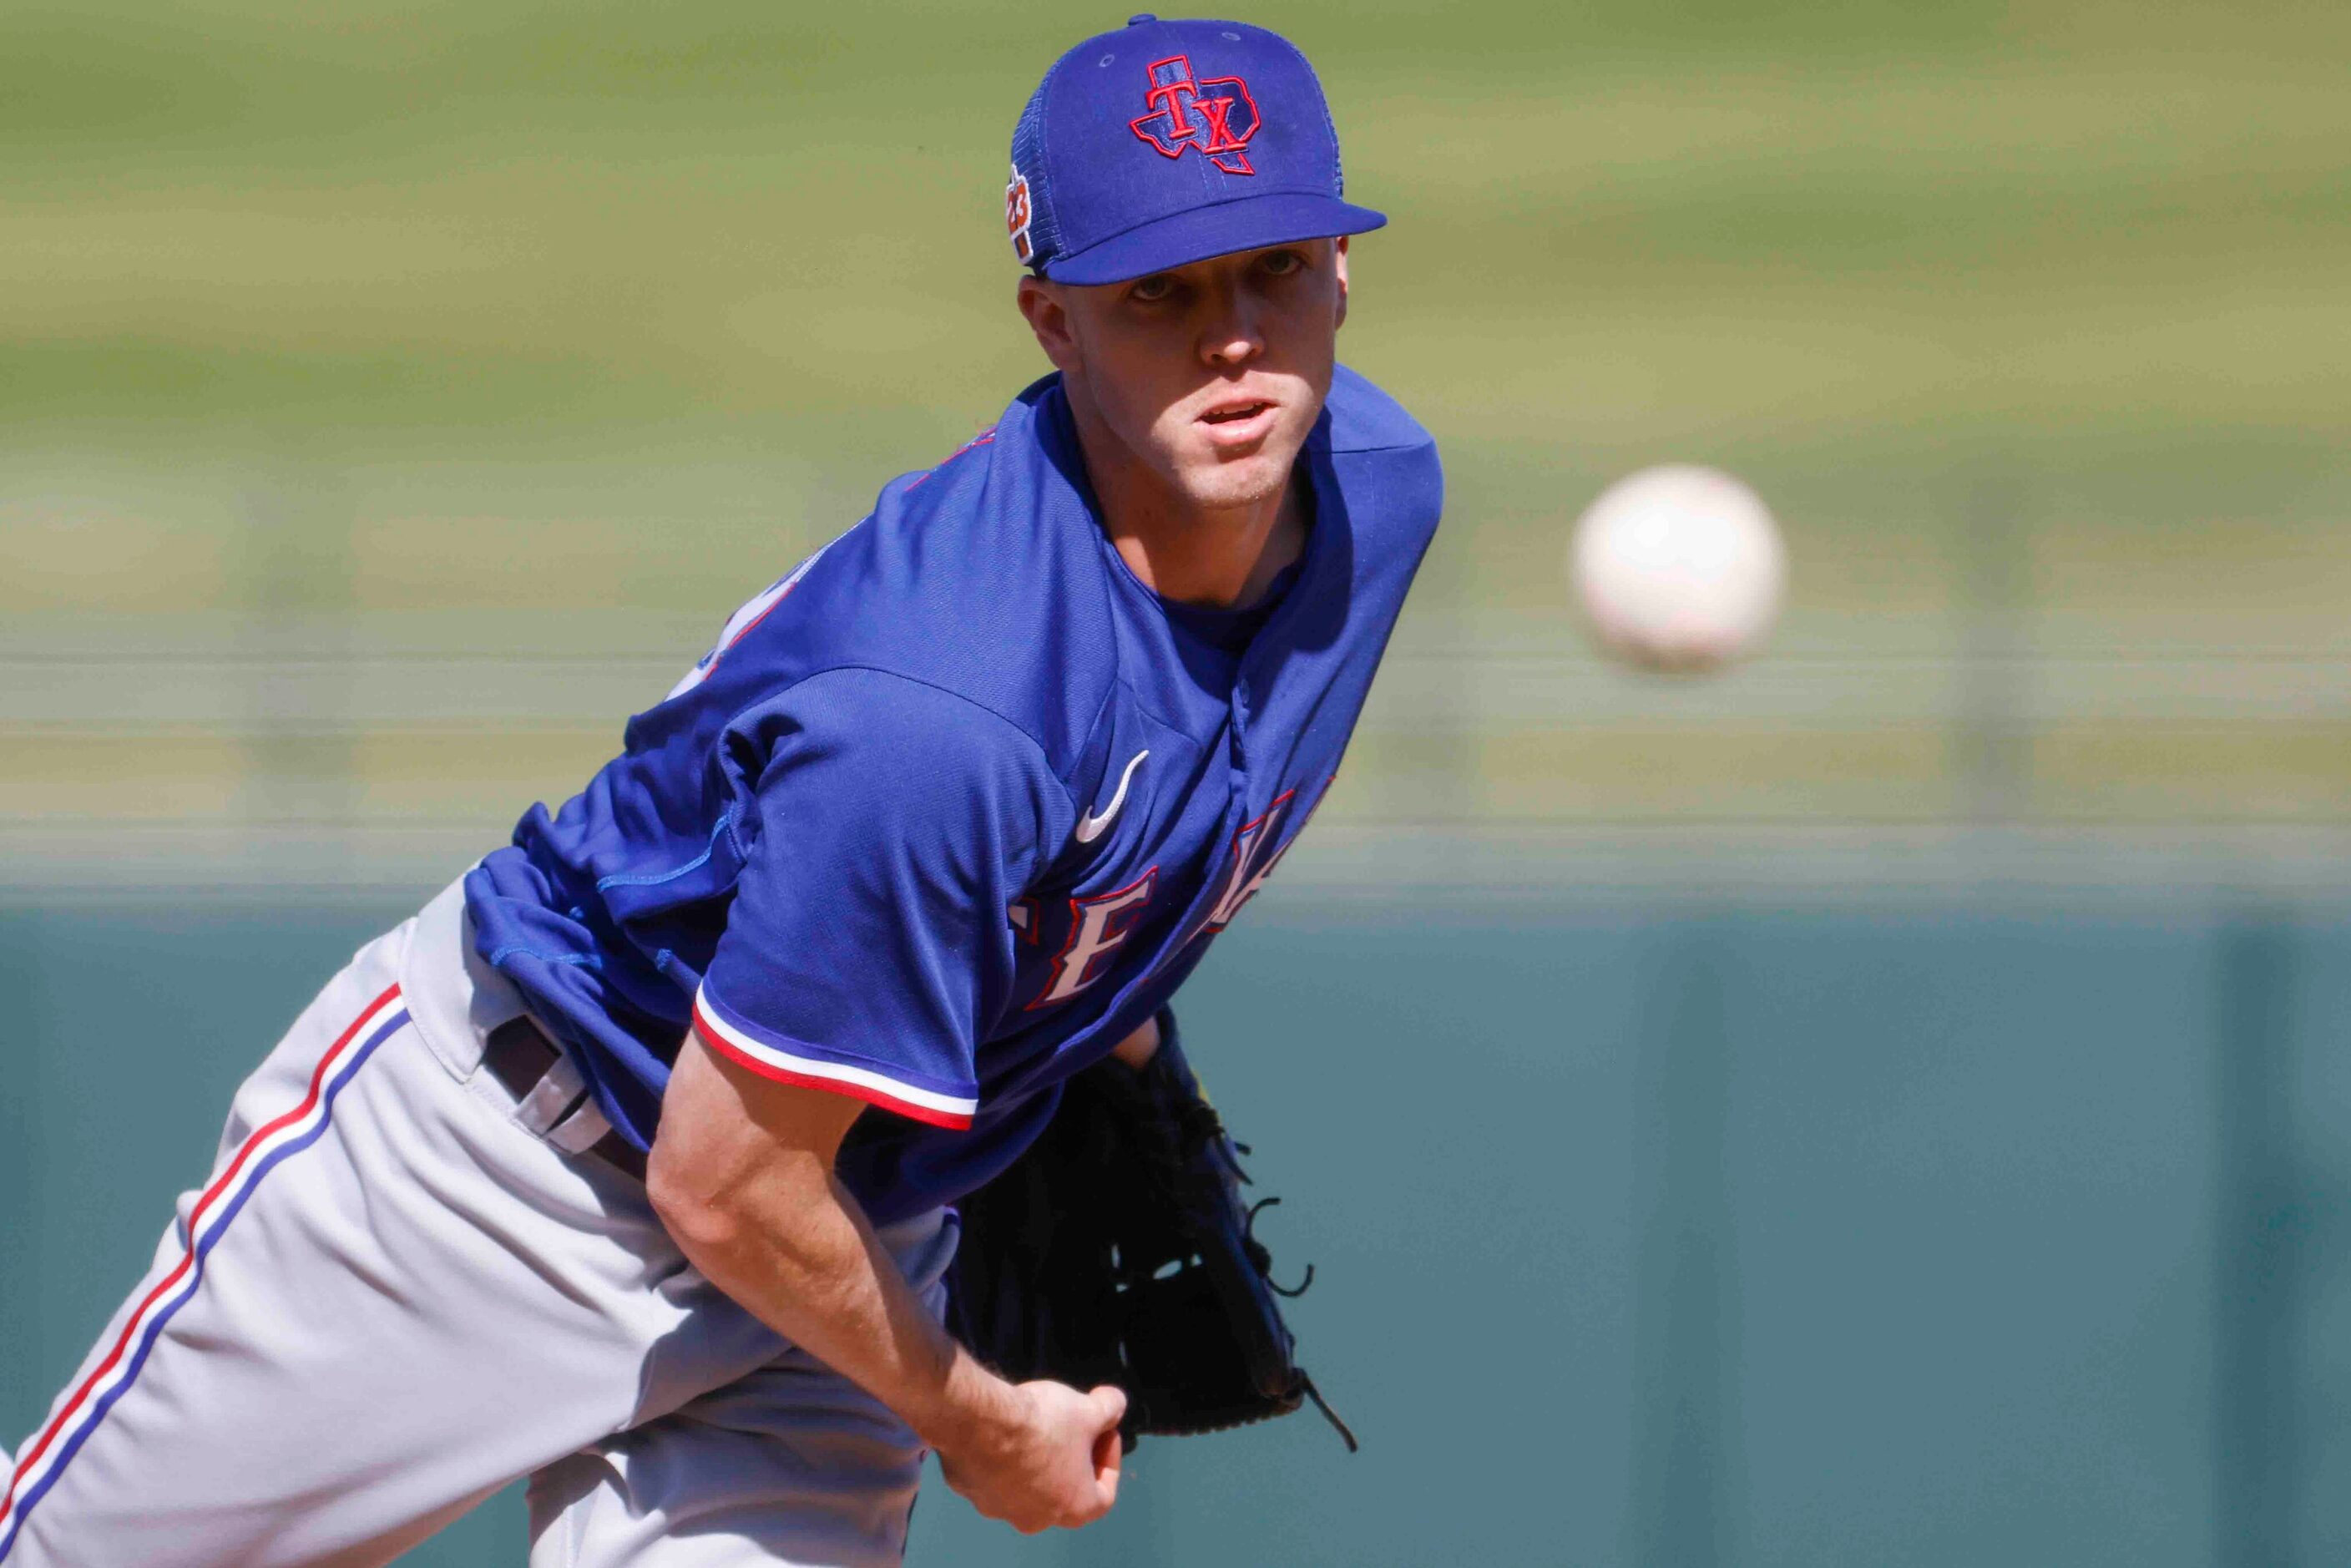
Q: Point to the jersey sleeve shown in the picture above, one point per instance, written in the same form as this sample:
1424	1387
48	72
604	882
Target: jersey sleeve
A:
868	942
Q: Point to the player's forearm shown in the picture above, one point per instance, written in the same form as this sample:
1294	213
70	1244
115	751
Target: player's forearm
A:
799	1253
788	1244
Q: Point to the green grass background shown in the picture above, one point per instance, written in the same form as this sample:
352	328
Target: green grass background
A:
471	309
589	302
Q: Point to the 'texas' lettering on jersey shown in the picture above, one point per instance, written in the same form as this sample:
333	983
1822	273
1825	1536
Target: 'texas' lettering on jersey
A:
1098	925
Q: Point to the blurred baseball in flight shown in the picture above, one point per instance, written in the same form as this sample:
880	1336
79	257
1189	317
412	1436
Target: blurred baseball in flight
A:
1679	569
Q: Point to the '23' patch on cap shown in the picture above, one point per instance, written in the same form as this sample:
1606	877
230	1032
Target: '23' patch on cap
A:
1166	142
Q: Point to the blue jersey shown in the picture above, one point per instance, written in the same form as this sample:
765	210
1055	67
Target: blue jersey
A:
954	808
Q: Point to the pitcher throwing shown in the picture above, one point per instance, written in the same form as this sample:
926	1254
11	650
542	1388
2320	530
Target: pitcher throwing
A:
629	1163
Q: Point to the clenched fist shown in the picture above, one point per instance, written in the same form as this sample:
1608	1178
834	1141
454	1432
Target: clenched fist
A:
1048	1457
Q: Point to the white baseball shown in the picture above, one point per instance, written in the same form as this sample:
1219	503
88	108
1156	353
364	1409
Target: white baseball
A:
1678	567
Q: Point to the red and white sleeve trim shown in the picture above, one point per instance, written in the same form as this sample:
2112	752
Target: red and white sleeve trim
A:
952	1110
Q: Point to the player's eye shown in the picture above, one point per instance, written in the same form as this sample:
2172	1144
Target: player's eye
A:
1283	263
1153	290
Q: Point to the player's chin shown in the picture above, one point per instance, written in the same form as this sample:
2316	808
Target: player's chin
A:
1235	474
1221	479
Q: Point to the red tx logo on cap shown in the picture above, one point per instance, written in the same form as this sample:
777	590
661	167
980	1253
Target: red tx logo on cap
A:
1217	116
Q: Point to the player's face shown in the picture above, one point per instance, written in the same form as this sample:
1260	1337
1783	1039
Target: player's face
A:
1208	377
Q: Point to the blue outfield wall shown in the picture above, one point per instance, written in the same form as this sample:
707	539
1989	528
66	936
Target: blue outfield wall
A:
1927	1234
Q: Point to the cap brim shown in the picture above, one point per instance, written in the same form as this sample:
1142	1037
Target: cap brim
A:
1249	223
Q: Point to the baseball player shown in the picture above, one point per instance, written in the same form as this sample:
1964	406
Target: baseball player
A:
629	1163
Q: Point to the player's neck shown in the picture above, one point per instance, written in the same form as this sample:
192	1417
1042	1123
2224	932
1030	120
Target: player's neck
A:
1218	558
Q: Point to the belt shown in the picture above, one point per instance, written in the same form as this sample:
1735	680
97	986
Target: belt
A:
547	1086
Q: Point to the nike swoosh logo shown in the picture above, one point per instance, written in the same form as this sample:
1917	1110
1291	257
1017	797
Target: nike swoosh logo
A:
1090	827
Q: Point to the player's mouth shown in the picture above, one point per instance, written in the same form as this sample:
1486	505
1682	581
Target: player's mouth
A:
1239	422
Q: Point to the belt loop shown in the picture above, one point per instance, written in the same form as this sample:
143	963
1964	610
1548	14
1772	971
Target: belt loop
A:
551	1099
557	1091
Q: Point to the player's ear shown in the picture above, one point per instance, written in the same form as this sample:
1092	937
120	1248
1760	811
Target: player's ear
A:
1339	270
1048	317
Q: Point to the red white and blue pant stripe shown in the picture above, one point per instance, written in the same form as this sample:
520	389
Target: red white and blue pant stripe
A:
52	1450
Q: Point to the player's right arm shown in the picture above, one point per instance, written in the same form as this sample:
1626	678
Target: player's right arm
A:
741	1176
886	825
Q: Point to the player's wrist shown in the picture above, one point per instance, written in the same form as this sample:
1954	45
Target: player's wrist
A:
976	1412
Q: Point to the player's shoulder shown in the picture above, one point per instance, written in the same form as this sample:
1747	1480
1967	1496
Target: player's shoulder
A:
1365	418
970	579
1385	464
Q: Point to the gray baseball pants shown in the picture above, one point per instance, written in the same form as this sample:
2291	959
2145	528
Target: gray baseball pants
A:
398	1290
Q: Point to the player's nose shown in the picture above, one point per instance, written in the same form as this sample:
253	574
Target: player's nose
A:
1232	333
1233	353
1232	341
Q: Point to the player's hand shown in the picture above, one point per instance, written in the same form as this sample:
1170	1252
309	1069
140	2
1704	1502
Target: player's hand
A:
1052	1459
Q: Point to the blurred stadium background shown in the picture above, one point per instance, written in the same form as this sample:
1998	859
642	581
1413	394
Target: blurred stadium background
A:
1891	1100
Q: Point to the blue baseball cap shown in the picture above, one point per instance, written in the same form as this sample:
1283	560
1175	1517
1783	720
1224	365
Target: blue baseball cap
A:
1166	142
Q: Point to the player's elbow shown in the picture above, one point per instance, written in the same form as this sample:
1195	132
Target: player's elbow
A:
688	1198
